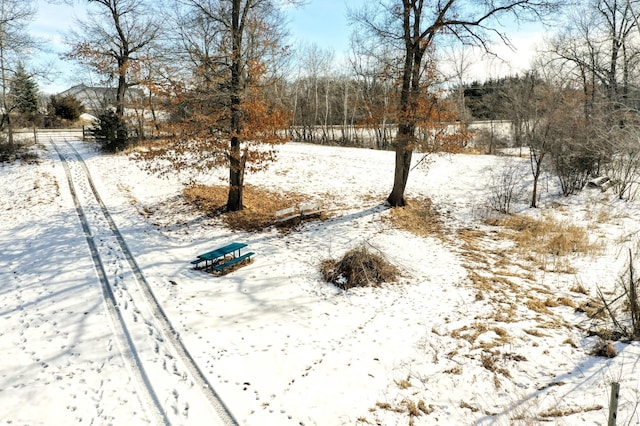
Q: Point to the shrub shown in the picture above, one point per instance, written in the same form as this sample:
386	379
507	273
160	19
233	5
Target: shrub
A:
359	267
504	188
63	109
10	152
110	131
623	169
573	164
603	348
624	310
489	141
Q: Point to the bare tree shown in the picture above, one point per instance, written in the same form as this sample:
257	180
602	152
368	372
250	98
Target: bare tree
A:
370	63
460	60
14	41
314	70
412	27
241	19
113	39
622	166
600	45
222	88
543	117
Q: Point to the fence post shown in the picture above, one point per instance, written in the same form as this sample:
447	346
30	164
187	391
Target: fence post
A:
613	403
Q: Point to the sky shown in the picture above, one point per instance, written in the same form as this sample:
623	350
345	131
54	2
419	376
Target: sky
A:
321	22
51	24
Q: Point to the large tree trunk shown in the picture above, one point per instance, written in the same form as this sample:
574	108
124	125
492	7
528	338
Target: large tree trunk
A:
236	159
408	105
123	62
121	93
236	177
400	175
122	134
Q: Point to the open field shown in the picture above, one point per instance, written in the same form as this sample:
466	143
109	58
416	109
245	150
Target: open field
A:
492	320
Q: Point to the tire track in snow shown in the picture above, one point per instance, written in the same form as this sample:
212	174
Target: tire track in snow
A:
120	329
158	321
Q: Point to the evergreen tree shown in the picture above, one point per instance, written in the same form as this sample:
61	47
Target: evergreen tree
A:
64	107
110	131
23	96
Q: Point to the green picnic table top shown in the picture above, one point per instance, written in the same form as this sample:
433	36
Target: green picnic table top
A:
222	251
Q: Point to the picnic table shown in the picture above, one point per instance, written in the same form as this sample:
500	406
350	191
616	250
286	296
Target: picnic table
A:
223	257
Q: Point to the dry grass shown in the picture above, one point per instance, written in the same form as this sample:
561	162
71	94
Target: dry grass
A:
501	332
545	236
490	361
424	408
565	301
468	406
541	306
383	405
259	204
592	308
535	332
578	287
486	283
457	370
470	333
557	412
598	216
407	406
403	384
412	407
359	267
504	278
418	217
506	312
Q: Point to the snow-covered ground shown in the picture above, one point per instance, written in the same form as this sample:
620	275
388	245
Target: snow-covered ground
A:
277	344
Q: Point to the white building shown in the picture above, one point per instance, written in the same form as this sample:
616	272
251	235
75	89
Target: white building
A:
97	99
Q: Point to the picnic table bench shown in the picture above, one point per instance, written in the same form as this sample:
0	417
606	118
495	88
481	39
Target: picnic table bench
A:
223	257
285	215
602	182
301	211
310	209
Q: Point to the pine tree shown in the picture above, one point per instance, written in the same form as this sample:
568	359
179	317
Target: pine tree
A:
23	94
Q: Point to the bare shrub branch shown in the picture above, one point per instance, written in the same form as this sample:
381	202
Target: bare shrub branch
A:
505	186
624	310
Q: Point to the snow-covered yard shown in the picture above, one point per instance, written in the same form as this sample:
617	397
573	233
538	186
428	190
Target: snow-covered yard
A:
279	345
